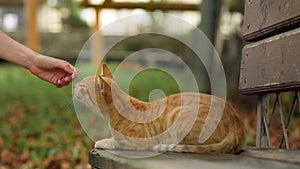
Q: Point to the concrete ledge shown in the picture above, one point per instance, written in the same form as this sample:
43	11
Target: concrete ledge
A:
247	159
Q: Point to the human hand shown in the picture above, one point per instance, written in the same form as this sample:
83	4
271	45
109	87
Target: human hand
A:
56	71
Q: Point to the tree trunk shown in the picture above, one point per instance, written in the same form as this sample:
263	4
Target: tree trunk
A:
210	10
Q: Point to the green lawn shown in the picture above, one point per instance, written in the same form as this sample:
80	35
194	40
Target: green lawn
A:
38	126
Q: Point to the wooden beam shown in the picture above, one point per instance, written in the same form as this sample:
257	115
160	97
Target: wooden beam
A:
32	32
147	6
107	1
18	3
273	154
267	18
275	159
11	3
271	65
97	41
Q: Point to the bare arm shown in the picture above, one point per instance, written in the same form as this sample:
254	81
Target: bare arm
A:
56	71
15	52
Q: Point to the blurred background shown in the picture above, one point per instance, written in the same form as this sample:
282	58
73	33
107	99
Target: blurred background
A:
38	125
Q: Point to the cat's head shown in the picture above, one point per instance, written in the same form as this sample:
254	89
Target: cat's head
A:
94	91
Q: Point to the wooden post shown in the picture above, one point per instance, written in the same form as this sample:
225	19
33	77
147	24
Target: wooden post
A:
209	24
31	33
97	42
262	110
259	122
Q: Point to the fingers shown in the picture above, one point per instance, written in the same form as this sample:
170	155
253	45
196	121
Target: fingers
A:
62	72
53	70
65	66
58	85
61	83
64	81
68	68
70	74
74	73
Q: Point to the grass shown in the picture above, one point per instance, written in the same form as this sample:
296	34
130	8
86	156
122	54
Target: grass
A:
38	125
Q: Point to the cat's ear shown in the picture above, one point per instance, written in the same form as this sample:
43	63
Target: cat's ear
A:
99	82
105	71
105	84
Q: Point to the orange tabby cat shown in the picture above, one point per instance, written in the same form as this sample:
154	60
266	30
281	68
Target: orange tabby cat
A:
142	125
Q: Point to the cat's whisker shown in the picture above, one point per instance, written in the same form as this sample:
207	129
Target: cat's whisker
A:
68	105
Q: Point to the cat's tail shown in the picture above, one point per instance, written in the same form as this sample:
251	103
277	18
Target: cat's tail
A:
201	149
232	143
227	145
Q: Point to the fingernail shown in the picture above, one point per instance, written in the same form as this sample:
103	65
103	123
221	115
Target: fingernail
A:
66	79
72	69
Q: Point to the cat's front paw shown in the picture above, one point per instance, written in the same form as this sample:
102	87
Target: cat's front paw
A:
105	144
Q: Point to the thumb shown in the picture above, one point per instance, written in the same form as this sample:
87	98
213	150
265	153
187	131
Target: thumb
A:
65	66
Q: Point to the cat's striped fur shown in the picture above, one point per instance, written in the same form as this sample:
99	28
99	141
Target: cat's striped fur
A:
160	115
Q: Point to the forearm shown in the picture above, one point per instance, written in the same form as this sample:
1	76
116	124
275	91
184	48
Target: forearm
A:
15	52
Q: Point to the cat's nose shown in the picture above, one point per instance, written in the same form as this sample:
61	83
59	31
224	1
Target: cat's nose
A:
75	88
76	91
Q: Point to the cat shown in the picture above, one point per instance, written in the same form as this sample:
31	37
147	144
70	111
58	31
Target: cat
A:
132	129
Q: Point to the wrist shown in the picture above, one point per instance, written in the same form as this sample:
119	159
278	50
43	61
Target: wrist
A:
31	60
